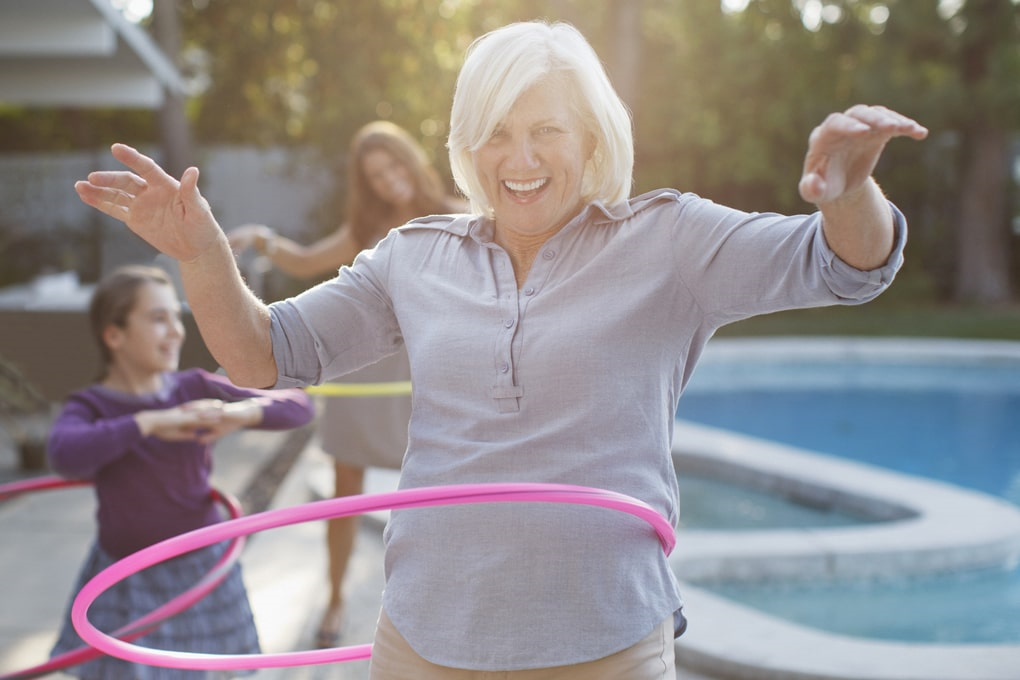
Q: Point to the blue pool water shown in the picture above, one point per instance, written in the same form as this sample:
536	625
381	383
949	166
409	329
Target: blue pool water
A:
955	423
718	505
968	439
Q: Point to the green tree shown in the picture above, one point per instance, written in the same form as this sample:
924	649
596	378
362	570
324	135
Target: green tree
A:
987	57
955	66
728	99
175	130
723	100
723	105
311	72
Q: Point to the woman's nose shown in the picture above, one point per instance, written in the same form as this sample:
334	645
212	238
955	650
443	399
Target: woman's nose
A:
523	154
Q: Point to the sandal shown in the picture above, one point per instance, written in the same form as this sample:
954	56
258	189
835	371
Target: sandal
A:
328	635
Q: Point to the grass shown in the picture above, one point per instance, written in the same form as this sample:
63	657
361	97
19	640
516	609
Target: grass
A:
919	319
908	309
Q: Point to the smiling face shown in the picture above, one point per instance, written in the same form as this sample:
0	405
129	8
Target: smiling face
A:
389	178
532	166
149	342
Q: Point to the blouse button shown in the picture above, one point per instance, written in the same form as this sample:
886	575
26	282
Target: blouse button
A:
529	291
549	254
508	323
504	367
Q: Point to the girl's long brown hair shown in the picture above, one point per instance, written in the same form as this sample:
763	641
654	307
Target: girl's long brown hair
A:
370	216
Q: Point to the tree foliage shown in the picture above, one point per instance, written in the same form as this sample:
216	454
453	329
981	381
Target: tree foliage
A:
723	99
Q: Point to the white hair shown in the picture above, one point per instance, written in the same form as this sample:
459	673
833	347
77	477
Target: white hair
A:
501	66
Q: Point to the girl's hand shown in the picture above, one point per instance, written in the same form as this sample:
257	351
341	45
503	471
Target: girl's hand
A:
257	236
234	416
844	150
201	420
188	422
171	216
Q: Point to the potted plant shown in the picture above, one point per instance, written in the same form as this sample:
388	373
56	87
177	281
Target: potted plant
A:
25	416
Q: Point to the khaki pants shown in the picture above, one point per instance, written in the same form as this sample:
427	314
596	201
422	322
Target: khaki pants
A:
650	659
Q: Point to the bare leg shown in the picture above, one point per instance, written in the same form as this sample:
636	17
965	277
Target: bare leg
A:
340	535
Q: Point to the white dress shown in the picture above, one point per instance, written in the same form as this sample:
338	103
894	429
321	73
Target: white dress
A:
368	431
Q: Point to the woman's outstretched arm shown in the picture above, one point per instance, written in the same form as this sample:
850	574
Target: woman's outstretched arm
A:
174	218
842	154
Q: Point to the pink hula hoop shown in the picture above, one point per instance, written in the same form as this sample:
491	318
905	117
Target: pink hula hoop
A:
150	621
319	510
44	483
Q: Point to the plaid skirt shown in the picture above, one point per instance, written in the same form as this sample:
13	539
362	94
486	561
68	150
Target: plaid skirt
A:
219	623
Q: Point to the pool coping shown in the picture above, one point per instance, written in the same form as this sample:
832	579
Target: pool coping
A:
944	527
933	527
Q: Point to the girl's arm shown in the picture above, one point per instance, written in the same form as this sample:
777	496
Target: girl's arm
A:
251	413
321	257
79	444
261	409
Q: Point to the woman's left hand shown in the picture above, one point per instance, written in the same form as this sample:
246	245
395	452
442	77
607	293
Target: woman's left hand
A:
844	150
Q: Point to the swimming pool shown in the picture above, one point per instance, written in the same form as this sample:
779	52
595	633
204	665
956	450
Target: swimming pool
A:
943	411
708	503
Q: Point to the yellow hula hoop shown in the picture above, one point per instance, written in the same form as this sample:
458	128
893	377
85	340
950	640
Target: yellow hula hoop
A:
377	389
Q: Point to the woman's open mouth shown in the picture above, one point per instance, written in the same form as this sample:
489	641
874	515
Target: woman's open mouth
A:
525	189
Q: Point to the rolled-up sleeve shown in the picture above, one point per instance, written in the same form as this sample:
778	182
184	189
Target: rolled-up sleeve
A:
293	347
740	264
854	286
336	327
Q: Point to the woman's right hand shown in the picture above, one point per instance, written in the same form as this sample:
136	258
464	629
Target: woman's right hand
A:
171	216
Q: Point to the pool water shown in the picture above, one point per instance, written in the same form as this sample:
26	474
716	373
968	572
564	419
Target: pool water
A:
716	505
959	424
968	439
976	607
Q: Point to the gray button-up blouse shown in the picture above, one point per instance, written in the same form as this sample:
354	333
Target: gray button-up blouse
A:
572	378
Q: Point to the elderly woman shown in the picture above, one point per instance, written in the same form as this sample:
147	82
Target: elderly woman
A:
550	335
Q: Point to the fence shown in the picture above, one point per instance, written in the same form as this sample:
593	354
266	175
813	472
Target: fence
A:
45	227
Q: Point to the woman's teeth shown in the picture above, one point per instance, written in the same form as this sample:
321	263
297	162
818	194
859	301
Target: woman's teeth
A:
524	187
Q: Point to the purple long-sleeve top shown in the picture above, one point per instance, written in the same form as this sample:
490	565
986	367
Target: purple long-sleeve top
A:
149	489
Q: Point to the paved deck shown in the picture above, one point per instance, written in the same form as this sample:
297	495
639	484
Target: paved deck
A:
45	536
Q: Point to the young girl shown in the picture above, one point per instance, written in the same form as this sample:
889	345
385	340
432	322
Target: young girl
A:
143	435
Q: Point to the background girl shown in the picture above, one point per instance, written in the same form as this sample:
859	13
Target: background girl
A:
143	434
390	182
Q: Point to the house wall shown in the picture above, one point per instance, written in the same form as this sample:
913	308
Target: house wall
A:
276	186
54	350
